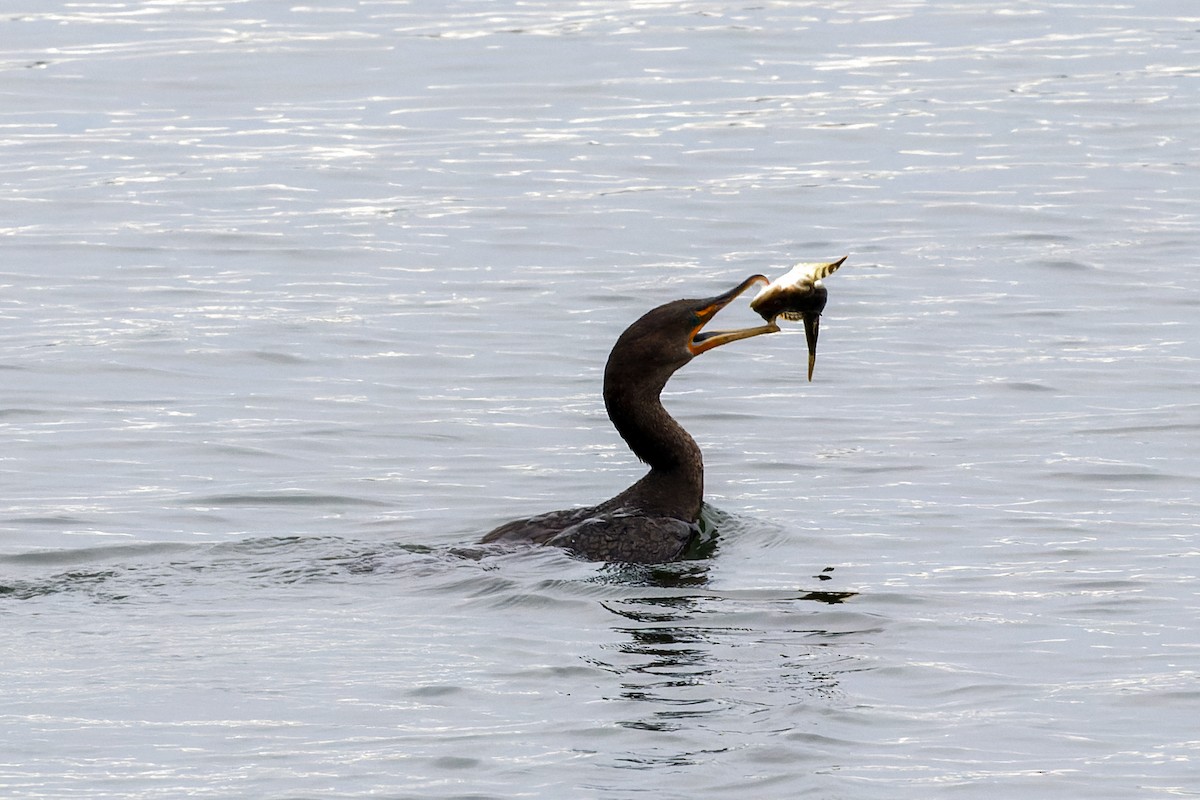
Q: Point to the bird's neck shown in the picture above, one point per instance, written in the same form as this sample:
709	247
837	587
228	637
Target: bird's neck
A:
675	484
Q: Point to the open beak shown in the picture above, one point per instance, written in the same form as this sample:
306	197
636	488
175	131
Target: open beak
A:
702	341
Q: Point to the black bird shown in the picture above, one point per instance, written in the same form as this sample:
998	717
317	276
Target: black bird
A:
654	519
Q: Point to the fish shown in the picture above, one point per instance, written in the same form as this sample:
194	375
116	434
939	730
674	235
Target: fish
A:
798	295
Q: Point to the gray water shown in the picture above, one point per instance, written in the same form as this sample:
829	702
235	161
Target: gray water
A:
297	301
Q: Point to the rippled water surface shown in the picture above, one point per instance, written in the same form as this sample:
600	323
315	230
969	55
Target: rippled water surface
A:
299	300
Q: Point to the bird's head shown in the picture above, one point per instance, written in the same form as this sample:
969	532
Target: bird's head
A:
667	337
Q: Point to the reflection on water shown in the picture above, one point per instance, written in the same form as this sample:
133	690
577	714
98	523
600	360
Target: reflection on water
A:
675	659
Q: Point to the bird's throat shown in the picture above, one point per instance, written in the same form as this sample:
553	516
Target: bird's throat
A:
675	484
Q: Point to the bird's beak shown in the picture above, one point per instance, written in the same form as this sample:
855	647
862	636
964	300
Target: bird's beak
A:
707	341
812	325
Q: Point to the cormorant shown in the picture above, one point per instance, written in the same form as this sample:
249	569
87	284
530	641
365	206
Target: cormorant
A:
655	519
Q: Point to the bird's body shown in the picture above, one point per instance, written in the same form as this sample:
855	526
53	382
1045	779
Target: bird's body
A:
604	533
796	292
798	295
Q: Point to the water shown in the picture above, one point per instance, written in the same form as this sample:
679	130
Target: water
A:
298	301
